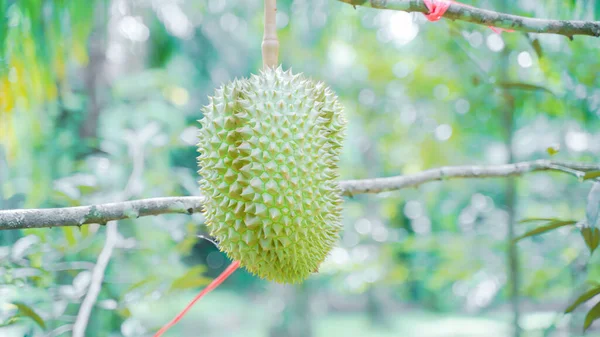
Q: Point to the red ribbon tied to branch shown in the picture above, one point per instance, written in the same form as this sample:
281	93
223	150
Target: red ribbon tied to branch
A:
437	9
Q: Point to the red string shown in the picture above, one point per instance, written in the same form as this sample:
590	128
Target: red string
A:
214	284
437	9
500	30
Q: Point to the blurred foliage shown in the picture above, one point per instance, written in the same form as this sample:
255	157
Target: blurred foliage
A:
36	47
417	94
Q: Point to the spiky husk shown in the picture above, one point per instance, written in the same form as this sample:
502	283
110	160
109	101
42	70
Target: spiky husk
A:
269	150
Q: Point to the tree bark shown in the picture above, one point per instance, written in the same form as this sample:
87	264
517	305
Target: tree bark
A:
101	214
462	12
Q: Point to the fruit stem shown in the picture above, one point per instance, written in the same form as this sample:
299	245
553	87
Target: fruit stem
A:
270	44
213	285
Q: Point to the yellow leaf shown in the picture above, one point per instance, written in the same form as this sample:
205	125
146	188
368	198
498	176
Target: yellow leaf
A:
6	100
80	53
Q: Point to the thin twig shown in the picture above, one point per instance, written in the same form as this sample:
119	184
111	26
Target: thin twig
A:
74	265
60	330
462	12
91	296
112	236
577	173
102	213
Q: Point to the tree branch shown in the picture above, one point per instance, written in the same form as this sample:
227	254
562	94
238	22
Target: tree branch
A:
378	185
77	216
462	12
100	214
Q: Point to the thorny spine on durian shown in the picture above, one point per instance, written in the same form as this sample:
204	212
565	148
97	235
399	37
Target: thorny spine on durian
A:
269	150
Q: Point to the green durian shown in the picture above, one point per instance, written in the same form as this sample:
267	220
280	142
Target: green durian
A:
269	151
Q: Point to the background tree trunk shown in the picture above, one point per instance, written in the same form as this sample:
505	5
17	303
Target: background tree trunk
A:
295	319
510	198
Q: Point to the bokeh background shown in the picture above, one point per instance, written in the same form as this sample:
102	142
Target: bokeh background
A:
99	102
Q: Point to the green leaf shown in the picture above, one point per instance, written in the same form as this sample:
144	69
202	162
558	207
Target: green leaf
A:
124	313
592	211
3	31
87	190
591	316
189	282
12	320
525	86
591	236
356	2
583	298
191	279
537	47
538	220
63	197
70	235
185	246
553	150
591	175
141	283
85	231
546	228
27	311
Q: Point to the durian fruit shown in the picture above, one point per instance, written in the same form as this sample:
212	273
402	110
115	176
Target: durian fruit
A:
269	150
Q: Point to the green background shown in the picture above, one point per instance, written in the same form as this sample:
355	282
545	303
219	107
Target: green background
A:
100	100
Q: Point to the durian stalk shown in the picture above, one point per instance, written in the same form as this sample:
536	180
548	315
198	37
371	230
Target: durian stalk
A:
270	44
